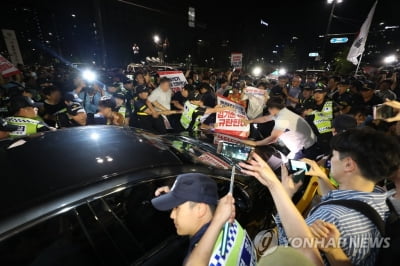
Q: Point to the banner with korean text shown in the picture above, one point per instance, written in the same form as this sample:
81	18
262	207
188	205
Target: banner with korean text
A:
255	92
231	122
178	80
236	60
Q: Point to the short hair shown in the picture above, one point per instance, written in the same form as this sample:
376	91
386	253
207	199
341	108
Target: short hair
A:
376	154
164	80
192	204
342	123
276	102
262	84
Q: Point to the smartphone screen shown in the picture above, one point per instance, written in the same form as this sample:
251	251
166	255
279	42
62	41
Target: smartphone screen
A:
235	151
383	111
296	166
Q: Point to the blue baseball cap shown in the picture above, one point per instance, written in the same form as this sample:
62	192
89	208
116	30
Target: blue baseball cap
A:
188	187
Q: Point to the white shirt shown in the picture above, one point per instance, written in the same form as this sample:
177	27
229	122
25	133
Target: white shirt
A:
297	132
256	105
162	97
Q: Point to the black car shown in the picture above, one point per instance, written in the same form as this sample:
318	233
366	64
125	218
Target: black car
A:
81	196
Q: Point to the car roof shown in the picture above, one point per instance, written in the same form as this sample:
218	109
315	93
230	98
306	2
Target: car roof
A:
50	164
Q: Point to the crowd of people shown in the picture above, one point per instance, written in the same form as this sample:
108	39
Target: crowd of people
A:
309	115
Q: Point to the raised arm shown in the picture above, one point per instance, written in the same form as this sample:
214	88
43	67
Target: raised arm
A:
292	221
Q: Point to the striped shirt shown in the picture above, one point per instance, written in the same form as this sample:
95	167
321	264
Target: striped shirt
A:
356	230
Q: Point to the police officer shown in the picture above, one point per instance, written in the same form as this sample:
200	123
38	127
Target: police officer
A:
73	115
342	98
23	112
144	117
6	128
122	107
319	114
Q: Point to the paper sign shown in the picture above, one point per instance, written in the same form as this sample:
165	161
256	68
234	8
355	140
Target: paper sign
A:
236	60
254	91
222	137
231	122
6	68
178	80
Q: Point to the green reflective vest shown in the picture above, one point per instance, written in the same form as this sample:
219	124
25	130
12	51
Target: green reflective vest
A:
187	116
26	126
239	248
323	118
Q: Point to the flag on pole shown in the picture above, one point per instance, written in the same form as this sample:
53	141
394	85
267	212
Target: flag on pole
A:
358	46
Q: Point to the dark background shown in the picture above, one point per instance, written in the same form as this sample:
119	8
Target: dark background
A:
222	26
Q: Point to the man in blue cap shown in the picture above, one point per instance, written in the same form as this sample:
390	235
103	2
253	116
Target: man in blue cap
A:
192	200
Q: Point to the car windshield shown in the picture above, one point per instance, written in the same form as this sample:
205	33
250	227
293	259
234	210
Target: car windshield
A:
190	150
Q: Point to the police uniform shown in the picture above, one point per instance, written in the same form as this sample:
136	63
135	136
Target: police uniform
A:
191	116
146	121
342	101
26	126
63	117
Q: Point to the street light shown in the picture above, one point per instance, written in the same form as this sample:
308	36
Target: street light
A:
328	28
257	71
282	71
156	38
390	59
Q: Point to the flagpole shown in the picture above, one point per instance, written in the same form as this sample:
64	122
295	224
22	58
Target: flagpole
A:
358	65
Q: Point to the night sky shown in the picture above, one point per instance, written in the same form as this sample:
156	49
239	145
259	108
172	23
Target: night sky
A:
228	27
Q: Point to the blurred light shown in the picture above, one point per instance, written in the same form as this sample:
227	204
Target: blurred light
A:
321	36
94	136
339	1
274	52
99	160
257	71
200	40
109	159
390	59
330	1
382	23
73	15
156	38
282	71
89	75
391	27
50	33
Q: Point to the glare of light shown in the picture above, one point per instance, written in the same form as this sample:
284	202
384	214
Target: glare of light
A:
99	160
282	71
94	136
330	1
257	71
89	75
339	1
200	40
156	38
109	159
390	59
73	15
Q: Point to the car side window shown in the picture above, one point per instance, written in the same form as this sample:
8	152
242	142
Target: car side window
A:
120	228
57	241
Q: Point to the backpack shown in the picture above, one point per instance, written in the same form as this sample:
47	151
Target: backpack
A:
391	229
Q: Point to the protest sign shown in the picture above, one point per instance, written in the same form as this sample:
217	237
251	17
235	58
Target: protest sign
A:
6	68
236	60
254	91
178	80
231	122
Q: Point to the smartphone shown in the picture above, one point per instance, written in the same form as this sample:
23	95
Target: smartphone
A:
295	166
235	151
382	111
